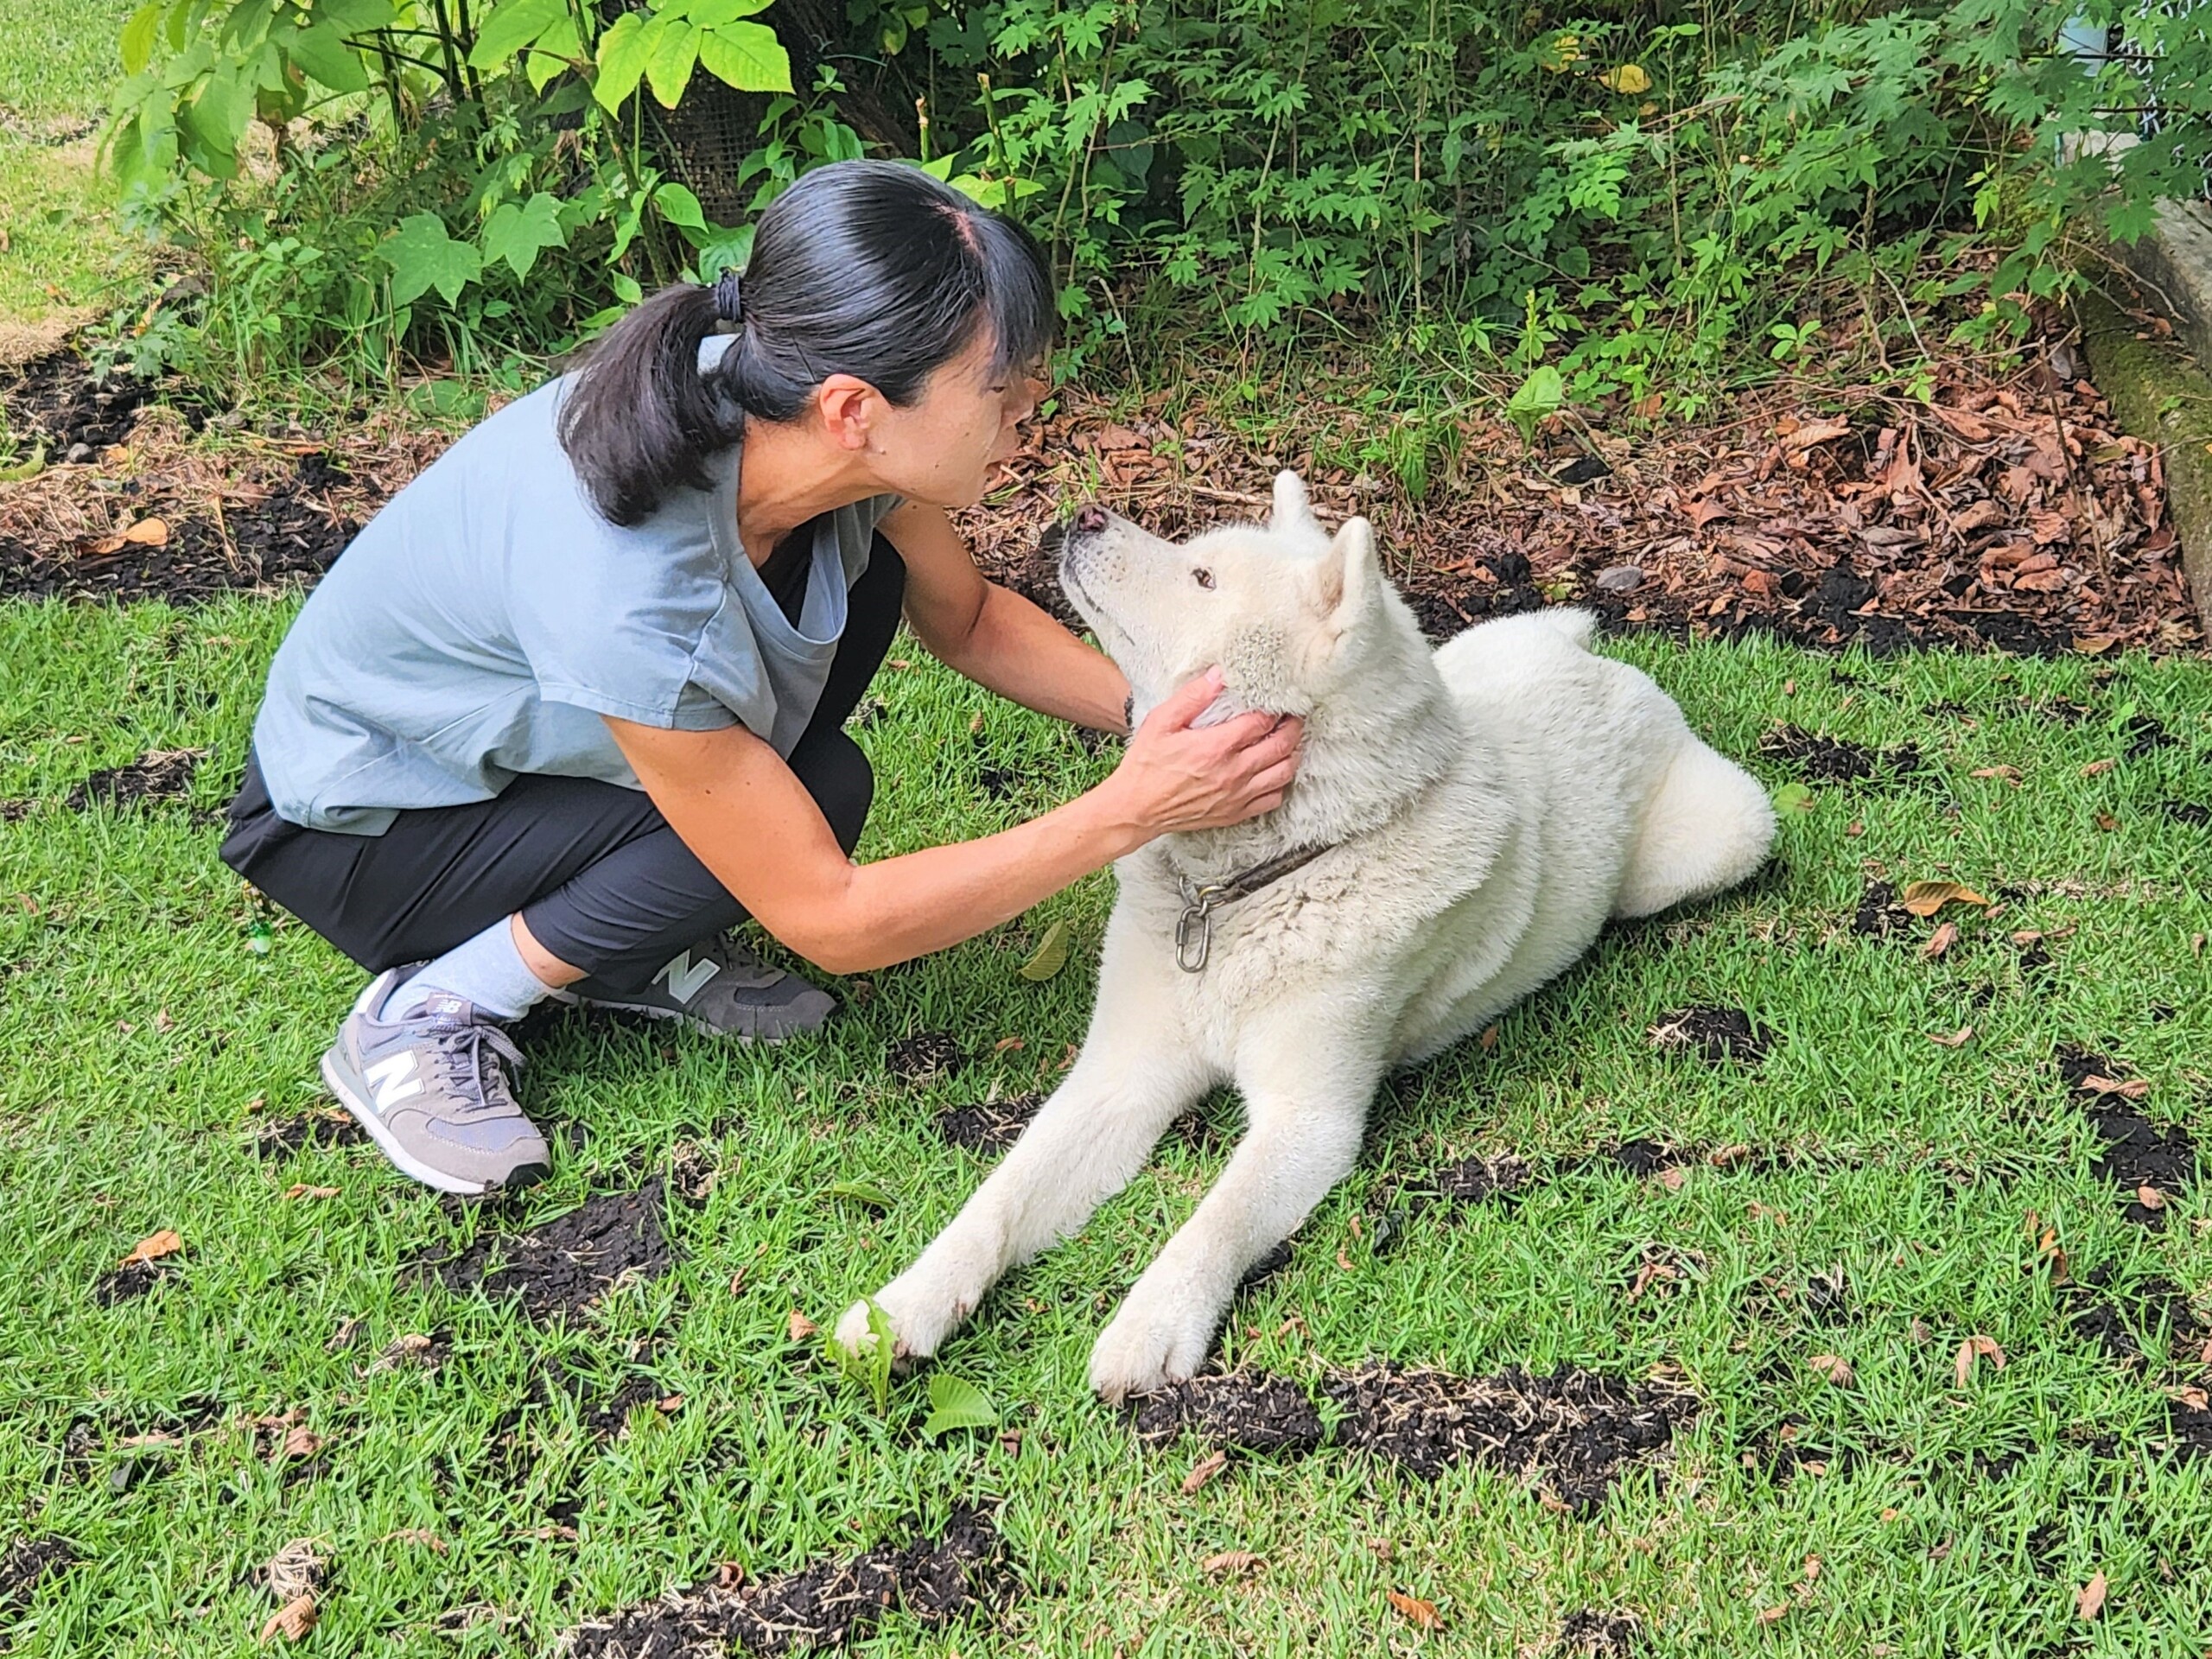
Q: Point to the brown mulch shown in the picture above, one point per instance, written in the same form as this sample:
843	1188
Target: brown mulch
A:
2008	513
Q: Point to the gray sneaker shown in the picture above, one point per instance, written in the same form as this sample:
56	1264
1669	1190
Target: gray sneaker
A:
431	1091
722	989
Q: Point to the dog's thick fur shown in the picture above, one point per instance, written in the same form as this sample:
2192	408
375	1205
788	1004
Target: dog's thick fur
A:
1487	806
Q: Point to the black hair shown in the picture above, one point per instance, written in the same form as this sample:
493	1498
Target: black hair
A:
867	268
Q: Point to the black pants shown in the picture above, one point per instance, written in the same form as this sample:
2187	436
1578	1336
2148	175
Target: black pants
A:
600	879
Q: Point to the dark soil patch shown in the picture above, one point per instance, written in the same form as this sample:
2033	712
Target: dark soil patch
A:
570	1262
157	775
998	782
1609	1636
58	399
330	1129
2145	735
29	1563
1880	914
129	1282
2126	1323
2189	1429
1462	1185
1718	1035
924	1055
2190	812
2137	1152
1249	1411
989	1126
1836	760
1266	1266
286	536
828	1604
1573	1430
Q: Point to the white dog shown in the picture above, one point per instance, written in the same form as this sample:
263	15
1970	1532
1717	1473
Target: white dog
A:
1463	822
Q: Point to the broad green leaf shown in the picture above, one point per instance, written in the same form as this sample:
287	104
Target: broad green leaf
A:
423	257
323	54
511	25
668	69
1793	797
518	232
747	56
955	1403
867	1192
679	207
218	117
1051	955
721	247
622	53
138	36
552	52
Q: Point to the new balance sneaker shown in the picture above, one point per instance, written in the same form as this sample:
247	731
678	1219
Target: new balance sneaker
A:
431	1090
722	989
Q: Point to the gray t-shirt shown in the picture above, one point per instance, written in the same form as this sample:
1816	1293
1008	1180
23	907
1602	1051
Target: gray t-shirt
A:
482	622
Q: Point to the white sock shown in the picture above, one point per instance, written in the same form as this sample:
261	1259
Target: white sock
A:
486	971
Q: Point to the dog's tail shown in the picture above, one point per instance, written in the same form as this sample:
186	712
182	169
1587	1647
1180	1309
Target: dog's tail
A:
1576	624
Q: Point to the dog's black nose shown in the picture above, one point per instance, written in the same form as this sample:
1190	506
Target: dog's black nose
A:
1090	520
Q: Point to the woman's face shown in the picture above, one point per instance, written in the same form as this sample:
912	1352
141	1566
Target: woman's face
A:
942	449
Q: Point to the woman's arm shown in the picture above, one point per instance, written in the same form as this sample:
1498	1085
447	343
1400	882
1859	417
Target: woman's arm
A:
750	820
994	636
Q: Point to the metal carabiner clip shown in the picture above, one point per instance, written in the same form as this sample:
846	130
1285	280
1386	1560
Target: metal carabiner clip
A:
1194	927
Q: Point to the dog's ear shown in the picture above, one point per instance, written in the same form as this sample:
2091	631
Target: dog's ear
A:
1294	510
1347	573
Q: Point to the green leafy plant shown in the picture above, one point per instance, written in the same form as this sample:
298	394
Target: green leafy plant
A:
869	1365
955	1403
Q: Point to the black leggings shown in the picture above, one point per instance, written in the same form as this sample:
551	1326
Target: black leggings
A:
600	879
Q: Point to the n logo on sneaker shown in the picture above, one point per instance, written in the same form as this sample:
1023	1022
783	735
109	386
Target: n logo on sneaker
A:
685	976
394	1080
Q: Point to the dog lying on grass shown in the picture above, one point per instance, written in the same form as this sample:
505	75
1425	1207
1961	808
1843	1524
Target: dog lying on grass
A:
1464	821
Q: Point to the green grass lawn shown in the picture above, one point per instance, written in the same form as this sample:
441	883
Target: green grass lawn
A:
63	247
148	1029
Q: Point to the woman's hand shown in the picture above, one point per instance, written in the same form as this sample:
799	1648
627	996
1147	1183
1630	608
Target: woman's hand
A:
1177	776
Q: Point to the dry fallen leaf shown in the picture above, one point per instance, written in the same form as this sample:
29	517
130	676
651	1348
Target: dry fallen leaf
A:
422	1535
292	1621
2010	774
1834	1367
1958	1039
2149	1198
1422	1613
1769	1615
295	1571
2106	821
2096	766
1926	898
148	532
1203	1471
1230	1561
301	1190
1671	1179
801	1327
2090	1601
1975	1348
1939	941
2132	1089
299	1442
153	1248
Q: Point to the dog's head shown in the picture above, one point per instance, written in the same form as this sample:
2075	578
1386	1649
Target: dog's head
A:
1282	608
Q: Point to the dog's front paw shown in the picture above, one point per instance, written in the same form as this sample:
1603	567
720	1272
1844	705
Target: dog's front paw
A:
1153	1341
922	1311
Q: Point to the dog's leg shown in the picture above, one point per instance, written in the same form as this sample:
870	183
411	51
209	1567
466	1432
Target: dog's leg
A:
1135	1074
1307	1074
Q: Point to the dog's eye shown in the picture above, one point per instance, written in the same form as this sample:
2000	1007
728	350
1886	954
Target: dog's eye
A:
1203	577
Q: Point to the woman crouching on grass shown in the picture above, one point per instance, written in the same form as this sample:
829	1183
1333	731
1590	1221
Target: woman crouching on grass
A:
571	705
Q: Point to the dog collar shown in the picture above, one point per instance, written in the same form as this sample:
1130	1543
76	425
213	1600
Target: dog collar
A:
1194	927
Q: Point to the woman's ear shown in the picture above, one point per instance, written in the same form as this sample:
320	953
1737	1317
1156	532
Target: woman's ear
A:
847	404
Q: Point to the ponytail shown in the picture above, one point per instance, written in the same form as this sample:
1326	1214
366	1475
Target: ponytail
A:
866	268
640	420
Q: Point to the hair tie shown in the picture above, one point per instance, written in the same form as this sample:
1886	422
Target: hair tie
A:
730	304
